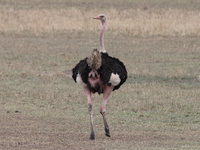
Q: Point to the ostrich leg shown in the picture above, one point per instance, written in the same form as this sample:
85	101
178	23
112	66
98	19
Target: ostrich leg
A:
105	124
106	93
88	93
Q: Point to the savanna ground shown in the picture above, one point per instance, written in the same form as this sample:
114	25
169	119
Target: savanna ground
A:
42	108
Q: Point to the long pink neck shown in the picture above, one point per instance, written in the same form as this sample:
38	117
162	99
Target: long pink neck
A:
102	48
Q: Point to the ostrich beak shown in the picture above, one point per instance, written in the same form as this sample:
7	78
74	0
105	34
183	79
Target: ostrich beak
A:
96	17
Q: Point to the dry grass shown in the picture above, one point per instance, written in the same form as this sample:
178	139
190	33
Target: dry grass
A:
136	22
157	108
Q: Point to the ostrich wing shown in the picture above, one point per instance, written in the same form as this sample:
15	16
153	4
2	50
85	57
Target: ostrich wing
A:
112	66
81	69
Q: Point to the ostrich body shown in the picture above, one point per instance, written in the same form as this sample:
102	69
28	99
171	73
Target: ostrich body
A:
99	73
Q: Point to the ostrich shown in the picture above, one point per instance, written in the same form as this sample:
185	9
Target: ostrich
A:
99	73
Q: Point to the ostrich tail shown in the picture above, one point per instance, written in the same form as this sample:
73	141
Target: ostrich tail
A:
94	61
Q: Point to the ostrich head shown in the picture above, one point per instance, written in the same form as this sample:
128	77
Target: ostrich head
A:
101	17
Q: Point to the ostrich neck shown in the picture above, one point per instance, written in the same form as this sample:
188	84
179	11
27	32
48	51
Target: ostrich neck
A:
102	48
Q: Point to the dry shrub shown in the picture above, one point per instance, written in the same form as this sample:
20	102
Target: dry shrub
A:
165	22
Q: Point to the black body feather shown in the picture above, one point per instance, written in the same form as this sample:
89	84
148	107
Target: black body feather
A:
109	65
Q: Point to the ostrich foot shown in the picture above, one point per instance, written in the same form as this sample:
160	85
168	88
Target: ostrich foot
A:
107	132
92	136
